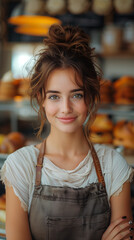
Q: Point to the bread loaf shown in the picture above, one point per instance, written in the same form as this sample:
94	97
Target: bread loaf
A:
55	7
78	6
102	123
101	129
124	90
3	208
102	7
123	6
12	142
124	134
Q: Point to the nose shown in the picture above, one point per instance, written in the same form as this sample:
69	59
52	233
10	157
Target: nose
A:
66	106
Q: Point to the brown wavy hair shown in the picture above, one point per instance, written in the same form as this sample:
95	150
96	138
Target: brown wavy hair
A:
66	47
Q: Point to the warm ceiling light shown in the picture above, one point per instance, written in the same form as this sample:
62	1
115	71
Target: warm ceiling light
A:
33	20
30	30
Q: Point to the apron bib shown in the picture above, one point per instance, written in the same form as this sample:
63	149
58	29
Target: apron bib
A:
65	213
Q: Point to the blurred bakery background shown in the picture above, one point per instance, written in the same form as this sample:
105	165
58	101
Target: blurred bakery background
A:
23	25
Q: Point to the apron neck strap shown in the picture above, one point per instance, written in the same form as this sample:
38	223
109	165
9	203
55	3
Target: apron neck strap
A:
41	157
40	164
97	165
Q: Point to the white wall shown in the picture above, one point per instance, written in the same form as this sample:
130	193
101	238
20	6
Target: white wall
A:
114	67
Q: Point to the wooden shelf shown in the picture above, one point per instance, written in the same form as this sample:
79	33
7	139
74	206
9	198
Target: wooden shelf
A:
121	54
117	109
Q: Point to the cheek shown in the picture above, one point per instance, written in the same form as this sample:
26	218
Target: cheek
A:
50	108
82	108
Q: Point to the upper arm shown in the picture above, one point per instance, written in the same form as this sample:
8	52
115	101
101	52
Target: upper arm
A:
17	225
121	203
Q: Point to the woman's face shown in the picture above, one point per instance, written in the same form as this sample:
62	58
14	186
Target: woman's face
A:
64	103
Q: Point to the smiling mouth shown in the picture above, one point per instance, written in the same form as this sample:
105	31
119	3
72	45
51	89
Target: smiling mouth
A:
67	120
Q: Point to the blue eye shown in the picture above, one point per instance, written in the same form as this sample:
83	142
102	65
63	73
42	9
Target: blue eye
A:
53	97
78	96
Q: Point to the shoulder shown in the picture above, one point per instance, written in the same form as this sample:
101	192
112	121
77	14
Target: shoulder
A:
103	149
26	153
115	168
19	171
22	160
109	157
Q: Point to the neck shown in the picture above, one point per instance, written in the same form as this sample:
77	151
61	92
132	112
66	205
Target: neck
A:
64	143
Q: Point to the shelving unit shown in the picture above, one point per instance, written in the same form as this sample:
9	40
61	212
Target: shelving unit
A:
23	110
16	110
121	54
117	109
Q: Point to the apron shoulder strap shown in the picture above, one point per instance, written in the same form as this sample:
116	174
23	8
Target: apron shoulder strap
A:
97	166
40	164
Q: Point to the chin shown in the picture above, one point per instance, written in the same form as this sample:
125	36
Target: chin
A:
69	129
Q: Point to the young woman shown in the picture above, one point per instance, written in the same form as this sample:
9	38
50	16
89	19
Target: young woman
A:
66	187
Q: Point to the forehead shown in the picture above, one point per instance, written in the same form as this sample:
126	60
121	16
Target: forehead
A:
63	79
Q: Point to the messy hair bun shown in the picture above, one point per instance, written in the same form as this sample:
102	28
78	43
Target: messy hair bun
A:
67	47
68	38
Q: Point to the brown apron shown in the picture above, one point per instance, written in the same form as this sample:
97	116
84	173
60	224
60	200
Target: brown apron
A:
64	213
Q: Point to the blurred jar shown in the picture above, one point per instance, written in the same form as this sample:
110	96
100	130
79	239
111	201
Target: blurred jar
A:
128	36
112	39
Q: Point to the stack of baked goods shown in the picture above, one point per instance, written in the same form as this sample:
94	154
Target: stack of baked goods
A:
106	91
101	129
3	208
123	134
2	215
23	88
7	87
124	90
11	88
11	142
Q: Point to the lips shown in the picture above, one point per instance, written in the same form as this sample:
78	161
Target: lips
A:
67	119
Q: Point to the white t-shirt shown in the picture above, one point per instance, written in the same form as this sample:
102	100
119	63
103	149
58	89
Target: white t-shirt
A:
20	168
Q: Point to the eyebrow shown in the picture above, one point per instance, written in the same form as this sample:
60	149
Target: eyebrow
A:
74	90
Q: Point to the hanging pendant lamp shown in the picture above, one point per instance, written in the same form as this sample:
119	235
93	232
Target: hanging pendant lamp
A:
30	22
34	20
31	30
33	25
